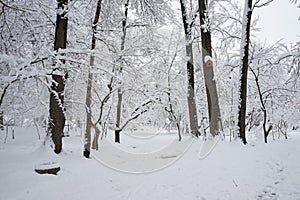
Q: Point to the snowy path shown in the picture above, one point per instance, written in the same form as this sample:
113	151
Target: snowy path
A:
123	160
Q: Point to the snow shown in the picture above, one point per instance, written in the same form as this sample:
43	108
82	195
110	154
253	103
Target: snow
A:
230	170
207	58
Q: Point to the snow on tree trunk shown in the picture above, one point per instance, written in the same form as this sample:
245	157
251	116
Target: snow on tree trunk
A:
190	72
57	117
214	114
87	135
244	72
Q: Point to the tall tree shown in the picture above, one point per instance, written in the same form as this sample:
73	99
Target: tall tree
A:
57	117
87	135
214	114
119	71
245	40
190	70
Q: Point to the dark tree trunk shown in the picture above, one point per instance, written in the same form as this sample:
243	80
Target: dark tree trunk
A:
117	135
118	122
244	74
190	72
214	114
57	117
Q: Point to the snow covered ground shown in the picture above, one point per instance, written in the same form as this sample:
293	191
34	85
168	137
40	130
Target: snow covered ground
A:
150	167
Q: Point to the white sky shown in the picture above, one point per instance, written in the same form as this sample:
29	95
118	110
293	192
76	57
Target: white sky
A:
279	20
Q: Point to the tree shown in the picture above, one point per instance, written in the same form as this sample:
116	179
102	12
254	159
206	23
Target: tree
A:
214	114
119	71
57	116
135	31
190	70
87	135
263	107
24	53
245	40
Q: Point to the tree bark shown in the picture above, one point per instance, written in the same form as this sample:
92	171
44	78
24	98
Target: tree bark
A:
88	100
57	117
190	71
244	74
214	114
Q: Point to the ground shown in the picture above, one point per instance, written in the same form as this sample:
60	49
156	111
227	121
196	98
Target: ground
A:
150	165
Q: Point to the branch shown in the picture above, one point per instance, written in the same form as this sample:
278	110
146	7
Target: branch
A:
257	5
15	8
135	115
33	62
13	81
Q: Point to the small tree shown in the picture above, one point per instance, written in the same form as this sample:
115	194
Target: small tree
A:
263	107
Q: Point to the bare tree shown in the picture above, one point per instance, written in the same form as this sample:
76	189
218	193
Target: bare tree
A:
170	108
263	107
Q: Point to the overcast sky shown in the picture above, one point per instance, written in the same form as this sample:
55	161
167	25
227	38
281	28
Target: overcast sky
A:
279	20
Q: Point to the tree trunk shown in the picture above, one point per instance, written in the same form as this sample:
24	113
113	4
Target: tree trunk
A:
190	72
120	92
95	144
88	127
118	122
57	117
214	114
117	135
245	64
1	120
88	100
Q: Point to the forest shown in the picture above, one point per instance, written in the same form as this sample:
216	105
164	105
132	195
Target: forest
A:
195	67
124	94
